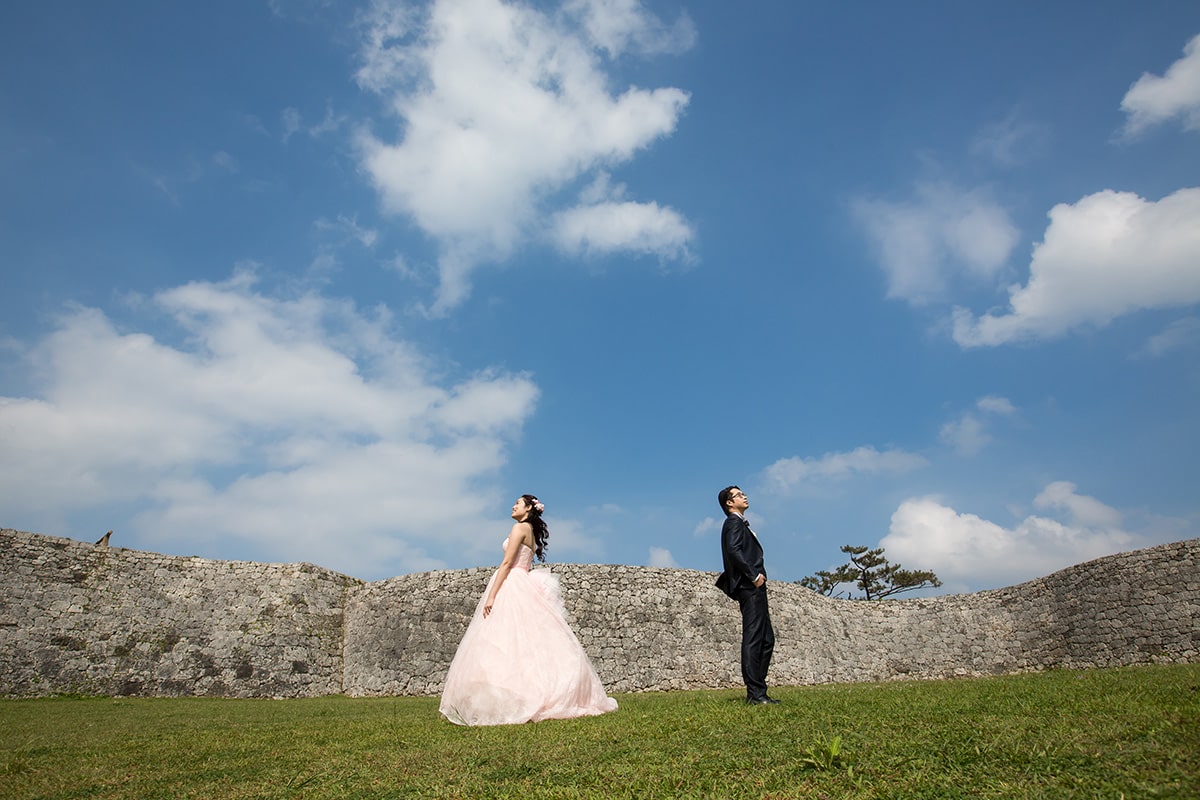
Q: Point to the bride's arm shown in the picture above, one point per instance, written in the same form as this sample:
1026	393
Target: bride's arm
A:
511	547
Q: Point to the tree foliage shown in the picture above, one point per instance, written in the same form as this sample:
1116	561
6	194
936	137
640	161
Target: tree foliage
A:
870	571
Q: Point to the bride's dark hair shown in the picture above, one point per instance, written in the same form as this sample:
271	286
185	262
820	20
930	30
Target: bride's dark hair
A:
540	532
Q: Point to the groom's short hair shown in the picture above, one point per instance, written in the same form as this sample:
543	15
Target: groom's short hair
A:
723	497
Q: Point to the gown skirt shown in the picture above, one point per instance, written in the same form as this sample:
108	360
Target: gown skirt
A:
523	662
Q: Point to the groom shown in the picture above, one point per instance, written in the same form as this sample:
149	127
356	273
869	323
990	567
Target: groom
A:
745	580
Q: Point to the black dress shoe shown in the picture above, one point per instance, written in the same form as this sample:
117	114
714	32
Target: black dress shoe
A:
761	701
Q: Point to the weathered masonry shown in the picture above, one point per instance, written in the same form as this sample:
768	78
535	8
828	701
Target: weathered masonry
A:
79	618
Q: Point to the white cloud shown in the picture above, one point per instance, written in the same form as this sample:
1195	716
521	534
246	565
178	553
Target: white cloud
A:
253	123
401	266
331	122
610	227
969	434
660	557
1085	511
619	26
940	235
788	473
348	228
968	552
569	543
1010	141
292	122
1110	254
387	28
502	108
225	161
604	222
297	427
965	434
992	404
1179	334
1153	100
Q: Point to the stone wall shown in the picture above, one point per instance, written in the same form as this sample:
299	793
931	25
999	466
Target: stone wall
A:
77	618
644	628
80	618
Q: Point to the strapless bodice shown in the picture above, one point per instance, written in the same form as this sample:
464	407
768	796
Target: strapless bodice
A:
524	556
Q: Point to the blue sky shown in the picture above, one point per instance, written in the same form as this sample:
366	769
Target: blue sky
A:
334	282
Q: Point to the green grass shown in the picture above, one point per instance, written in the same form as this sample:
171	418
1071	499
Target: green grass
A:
1123	733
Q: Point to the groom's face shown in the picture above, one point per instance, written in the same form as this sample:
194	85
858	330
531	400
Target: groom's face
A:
738	501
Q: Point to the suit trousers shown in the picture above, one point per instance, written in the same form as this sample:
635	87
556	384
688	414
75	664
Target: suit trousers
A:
758	640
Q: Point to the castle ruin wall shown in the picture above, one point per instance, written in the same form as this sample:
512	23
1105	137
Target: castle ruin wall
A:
81	618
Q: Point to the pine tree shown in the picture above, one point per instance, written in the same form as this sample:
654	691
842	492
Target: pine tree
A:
870	571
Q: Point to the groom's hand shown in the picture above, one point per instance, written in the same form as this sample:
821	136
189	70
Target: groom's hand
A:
760	580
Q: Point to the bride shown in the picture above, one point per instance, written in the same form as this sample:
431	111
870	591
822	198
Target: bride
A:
519	660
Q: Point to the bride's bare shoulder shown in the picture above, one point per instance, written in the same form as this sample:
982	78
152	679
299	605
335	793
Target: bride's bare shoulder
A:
522	532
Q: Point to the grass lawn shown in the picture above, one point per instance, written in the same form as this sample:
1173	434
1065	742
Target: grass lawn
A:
1119	733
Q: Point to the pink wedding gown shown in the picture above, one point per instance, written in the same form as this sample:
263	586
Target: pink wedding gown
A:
522	663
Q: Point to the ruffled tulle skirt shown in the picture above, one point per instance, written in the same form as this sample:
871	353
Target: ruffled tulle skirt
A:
523	662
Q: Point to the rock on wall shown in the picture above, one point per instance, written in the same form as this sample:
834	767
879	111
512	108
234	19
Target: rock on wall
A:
74	617
1130	608
402	632
78	618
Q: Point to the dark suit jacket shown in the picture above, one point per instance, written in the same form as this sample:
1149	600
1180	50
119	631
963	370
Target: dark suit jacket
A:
742	556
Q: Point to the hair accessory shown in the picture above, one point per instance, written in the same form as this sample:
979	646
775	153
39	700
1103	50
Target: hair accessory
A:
539	506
